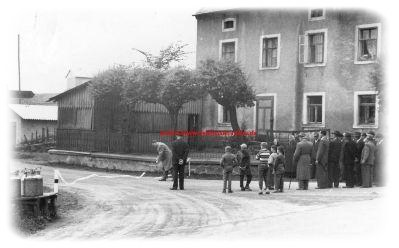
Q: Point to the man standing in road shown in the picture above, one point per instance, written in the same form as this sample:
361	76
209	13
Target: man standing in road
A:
367	160
348	157
179	158
334	153
359	139
164	157
316	142
322	162
301	158
244	161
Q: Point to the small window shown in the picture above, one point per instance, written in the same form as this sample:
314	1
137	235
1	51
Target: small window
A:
315	109
270	51
228	24
316	48
367	109
228	51
367	44
226	115
316	14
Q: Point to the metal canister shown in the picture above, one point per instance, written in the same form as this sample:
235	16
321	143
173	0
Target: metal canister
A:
15	187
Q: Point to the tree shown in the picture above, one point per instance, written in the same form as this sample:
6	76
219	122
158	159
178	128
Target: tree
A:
376	78
228	85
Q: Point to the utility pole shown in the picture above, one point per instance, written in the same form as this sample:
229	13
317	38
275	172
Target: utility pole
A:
19	71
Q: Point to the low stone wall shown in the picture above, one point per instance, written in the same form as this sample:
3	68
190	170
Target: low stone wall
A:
133	163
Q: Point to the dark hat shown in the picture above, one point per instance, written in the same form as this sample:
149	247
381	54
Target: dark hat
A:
323	132
364	134
371	132
348	135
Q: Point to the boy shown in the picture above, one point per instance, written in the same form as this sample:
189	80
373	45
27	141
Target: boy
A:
271	162
244	160
228	162
263	156
279	169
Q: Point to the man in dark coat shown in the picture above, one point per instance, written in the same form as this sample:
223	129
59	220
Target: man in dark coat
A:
301	159
334	153
180	151
289	154
367	160
315	142
359	139
322	162
379	161
348	157
244	161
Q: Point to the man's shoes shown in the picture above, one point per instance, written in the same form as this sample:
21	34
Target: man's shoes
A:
248	188
181	188
267	192
230	191
242	189
271	188
260	192
224	191
347	187
173	188
162	179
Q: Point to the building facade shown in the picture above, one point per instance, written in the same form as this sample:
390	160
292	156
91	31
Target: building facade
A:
309	68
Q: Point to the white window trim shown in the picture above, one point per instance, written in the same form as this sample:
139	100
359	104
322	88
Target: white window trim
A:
314	31
235	40
373	25
316	18
356	95
229	29
220	116
278	36
274	95
305	109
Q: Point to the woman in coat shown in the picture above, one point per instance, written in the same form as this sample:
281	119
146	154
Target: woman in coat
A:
302	160
164	158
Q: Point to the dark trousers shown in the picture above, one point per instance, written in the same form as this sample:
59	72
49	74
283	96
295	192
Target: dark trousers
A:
303	184
227	179
178	176
367	175
279	182
358	174
349	175
334	173
249	178
262	171
270	178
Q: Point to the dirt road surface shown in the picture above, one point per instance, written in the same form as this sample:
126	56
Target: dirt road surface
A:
145	208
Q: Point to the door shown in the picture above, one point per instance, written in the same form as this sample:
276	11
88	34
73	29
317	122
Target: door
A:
264	115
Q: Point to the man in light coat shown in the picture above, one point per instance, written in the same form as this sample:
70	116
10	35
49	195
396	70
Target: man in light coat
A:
367	160
164	158
301	158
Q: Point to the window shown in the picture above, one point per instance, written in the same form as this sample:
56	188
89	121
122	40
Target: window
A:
367	43
314	109
226	115
316	14
228	24
313	48
366	114
228	50
223	115
270	51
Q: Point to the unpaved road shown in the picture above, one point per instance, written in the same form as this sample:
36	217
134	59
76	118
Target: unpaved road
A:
145	208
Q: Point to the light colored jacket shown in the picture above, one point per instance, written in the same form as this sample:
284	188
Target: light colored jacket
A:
164	156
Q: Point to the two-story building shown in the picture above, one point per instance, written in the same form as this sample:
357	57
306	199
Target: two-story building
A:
309	68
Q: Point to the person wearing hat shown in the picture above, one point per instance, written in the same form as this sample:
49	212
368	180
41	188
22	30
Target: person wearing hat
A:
289	153
334	153
322	162
180	151
164	158
379	161
367	160
302	161
228	162
359	140
244	161
315	142
348	157
263	157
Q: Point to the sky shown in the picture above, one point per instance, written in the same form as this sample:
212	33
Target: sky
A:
87	42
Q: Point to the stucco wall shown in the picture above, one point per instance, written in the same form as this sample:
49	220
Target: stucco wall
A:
339	78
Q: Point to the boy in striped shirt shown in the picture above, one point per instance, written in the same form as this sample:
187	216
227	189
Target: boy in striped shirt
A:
263	156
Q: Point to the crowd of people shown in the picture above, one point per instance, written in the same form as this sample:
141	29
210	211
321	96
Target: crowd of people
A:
355	159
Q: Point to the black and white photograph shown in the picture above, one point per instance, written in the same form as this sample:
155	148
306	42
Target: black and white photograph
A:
180	123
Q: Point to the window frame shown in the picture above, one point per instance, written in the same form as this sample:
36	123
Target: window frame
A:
356	109
260	96
235	40
220	116
305	120
357	30
268	36
310	18
229	29
306	50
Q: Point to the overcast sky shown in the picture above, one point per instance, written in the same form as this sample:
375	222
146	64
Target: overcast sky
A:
87	42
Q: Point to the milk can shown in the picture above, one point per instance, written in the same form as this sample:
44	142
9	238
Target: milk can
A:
15	185
32	183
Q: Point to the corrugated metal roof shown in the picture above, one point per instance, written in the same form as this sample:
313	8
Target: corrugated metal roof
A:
209	10
35	112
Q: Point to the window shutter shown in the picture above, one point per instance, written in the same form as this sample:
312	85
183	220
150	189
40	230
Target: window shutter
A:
301	49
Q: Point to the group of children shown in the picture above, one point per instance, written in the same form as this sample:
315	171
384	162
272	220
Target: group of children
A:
271	168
